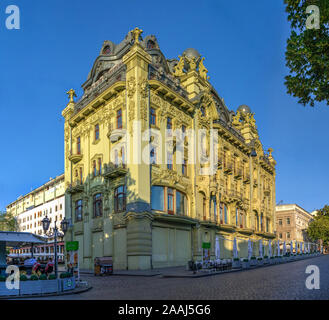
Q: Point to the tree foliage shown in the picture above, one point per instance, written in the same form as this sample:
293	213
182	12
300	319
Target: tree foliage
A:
319	227
307	53
7	222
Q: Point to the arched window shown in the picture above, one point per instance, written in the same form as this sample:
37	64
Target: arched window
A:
120	199
107	50
261	222
150	44
203	111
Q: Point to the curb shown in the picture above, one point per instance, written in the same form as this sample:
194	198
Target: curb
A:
76	291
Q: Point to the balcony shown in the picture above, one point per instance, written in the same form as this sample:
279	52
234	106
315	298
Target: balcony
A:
112	171
75	158
228	168
238	173
116	134
75	187
267	191
246	178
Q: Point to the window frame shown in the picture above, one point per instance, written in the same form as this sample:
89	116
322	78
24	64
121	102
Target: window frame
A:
117	197
97	203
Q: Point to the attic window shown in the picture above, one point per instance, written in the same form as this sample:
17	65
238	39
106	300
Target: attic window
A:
150	44
107	50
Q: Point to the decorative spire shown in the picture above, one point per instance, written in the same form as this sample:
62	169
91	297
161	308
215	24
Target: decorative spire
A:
71	94
137	32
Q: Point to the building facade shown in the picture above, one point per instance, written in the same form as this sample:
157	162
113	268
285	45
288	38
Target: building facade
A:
144	182
292	222
30	209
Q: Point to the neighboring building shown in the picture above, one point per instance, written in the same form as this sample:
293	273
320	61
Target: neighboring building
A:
292	222
161	214
30	209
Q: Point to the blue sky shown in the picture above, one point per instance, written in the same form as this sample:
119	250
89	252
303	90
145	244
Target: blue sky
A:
243	43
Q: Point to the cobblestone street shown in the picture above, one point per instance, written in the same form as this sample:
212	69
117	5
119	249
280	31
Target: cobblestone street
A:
284	281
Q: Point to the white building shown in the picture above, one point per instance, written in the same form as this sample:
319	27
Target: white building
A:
30	209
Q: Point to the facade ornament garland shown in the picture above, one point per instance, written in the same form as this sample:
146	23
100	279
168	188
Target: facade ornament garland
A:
131	87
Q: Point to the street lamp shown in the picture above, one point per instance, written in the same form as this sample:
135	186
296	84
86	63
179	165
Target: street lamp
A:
64	226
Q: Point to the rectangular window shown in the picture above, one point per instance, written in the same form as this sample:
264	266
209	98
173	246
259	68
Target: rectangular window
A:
99	166
153	158
78	145
184	167
81	176
225	214
221	213
169	127
157	198
98	212
96	132
288	220
169	161
94	168
119	119
181	204
204	208
78	210
170	200
152	116
288	235
280	222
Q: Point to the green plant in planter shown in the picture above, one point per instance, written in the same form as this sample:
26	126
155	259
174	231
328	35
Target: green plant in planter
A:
43	277
272	258
259	259
23	277
253	258
265	257
52	277
235	259
245	260
34	277
65	275
2	278
276	257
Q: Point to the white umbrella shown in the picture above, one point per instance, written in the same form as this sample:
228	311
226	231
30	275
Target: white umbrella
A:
261	248
278	245
217	248
270	248
284	248
235	249
249	249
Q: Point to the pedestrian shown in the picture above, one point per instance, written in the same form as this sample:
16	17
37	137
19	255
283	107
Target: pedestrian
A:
50	266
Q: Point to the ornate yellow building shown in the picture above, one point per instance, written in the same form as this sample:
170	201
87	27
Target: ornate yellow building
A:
161	213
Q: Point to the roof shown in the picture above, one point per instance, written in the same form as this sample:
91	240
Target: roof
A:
14	239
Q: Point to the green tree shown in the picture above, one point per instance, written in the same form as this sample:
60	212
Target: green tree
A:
7	222
307	53
319	227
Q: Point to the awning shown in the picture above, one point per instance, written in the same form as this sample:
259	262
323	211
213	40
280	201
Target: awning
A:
16	239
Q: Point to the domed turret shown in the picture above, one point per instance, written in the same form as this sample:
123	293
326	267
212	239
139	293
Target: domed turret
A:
191	53
244	109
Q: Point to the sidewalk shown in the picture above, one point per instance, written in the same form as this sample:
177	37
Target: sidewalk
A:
182	272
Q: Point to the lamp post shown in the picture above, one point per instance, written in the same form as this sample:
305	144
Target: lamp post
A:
45	225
